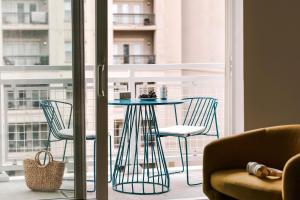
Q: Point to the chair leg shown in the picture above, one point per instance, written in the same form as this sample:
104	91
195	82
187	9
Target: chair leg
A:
94	165
217	127
181	156
65	150
110	160
47	147
187	165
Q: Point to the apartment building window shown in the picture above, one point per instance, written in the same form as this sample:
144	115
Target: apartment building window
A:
69	92
24	53
118	127
68	52
137	10
115	12
21	15
68	12
125	10
146	125
27	137
26	96
126	55
137	53
32	7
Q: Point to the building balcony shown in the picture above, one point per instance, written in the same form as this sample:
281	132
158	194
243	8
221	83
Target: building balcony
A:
133	19
26	60
23	127
34	18
133	22
134	59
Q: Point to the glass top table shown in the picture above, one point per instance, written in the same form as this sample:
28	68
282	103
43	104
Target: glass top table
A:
140	166
125	102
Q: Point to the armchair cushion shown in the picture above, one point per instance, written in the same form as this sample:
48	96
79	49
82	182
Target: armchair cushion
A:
181	130
239	184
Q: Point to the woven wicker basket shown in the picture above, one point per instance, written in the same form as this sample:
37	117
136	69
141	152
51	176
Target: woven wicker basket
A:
43	178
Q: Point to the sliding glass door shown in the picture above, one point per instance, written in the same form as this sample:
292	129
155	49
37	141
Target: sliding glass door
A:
90	96
81	55
102	100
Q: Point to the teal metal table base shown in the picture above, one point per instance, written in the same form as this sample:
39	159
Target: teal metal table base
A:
139	171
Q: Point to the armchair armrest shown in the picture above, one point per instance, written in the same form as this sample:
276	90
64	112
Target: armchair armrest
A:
291	179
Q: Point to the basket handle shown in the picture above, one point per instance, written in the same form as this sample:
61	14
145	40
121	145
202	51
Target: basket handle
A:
37	158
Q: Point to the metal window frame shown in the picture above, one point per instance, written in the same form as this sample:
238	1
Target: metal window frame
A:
78	72
101	99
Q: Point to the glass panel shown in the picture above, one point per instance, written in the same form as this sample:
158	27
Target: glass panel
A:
178	45
35	65
90	46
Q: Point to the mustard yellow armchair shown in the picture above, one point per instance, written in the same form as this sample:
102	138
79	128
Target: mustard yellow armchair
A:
225	160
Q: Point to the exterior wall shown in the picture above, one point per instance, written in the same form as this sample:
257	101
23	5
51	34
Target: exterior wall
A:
203	31
190	31
56	32
168	45
90	32
110	32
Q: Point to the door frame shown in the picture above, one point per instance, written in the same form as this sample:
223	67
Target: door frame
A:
101	99
78	72
233	94
234	64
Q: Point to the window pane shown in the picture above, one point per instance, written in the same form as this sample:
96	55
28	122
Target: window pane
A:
11	136
35	136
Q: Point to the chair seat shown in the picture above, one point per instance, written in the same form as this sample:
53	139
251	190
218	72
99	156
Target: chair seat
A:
181	130
67	134
239	184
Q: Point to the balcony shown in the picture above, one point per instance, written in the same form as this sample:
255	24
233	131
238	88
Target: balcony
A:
26	60
134	59
20	109
133	19
14	18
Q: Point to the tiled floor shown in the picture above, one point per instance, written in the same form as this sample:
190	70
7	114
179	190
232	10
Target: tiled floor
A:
17	190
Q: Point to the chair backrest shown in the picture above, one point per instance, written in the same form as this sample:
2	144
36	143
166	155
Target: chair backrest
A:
201	112
55	114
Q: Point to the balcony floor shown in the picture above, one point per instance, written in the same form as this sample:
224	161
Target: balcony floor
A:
16	189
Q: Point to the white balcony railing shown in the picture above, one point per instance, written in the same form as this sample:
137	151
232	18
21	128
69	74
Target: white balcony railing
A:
40	17
133	19
22	127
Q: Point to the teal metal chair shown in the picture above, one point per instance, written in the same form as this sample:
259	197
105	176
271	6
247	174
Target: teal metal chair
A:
198	120
58	115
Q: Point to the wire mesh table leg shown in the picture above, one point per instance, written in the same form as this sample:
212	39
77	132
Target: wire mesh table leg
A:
139	171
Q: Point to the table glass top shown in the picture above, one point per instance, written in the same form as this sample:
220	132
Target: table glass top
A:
126	102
